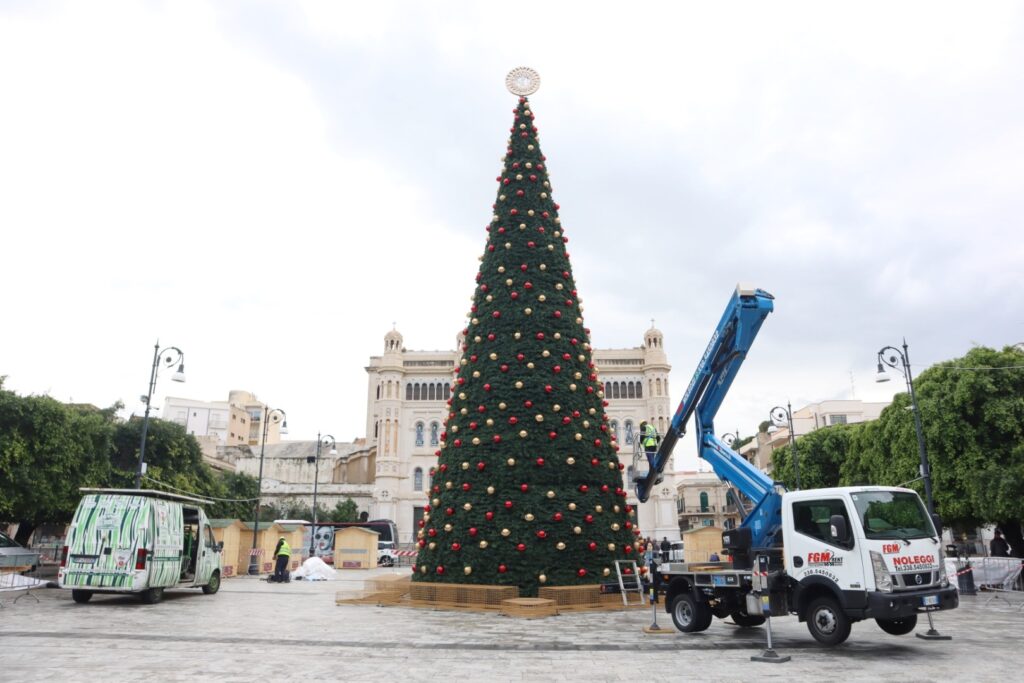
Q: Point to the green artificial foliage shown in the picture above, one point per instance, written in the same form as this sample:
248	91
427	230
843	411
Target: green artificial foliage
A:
528	489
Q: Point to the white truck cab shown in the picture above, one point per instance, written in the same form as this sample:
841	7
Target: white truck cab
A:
139	541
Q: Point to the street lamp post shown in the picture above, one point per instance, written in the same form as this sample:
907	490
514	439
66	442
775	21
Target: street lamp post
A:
325	440
901	360
783	417
280	415
171	355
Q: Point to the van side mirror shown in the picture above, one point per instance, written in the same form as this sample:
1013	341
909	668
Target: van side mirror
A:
838	528
937	521
219	546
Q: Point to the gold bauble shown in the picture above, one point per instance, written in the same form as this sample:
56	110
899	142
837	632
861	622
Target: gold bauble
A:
448	528
551	494
505	533
476	339
611	547
528	517
508	282
448	484
490	490
560	545
577	530
615	526
556	407
467	570
502	406
578	375
501	269
465	465
462	395
578	437
572	506
542	578
528	311
530	365
586	424
545	352
559	286
493	356
598	509
464	411
606	571
475	321
432	545
454	428
522	433
476	440
558	335
517	335
467	506
483	544
542	298
490	422
570	460
423	569
511	462
489	298
592	411
615	508
572	387
476	374
538	417
519	385
435	502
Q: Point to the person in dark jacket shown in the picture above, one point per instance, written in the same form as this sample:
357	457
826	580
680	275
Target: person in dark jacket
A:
998	547
665	548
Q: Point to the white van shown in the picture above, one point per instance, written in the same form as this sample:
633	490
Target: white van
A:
139	541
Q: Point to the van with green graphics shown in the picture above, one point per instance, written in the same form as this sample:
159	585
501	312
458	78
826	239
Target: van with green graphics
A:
139	541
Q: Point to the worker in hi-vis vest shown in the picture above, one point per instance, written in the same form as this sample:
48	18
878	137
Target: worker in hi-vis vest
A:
649	437
283	553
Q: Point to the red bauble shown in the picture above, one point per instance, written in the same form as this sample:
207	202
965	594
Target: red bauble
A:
628	549
548	388
542	534
540	336
520	357
466	486
581	572
519	193
440	569
604	488
584	488
558	314
431	532
458	442
595	462
473	425
523	267
508	504
557	517
531	244
528	403
521	547
514	295
472	531
566	420
456	546
481	465
592	545
528	285
575	413
557	369
524	487
488	516
496	438
502	569
496	314
504	368
421	543
513	420
487	387
449	511
443	467
540	462
552	435
566	356
589	519
628	525
491	337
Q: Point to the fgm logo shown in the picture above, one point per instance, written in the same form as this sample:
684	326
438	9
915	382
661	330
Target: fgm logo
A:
824	559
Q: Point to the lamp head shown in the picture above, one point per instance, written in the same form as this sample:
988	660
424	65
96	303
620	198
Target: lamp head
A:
334	451
881	375
179	376
772	429
284	428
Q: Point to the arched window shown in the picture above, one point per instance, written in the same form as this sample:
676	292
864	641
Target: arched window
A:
416	392
440	392
631	388
378	392
417	479
432	392
607	389
657	386
629	432
704	501
419	433
433	434
376	429
615	390
408	391
639	389
650	387
447	390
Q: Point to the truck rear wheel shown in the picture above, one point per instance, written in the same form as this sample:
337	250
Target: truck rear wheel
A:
898	627
745	620
827	622
688	615
151	596
81	597
214	585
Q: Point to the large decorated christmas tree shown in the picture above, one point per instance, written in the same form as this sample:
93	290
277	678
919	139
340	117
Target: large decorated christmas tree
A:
528	489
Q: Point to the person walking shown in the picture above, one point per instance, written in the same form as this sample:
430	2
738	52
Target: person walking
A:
282	553
998	547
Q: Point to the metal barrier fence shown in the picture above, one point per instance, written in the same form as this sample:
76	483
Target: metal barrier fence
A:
999	576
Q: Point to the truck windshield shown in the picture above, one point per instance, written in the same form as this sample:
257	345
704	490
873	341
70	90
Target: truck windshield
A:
893	514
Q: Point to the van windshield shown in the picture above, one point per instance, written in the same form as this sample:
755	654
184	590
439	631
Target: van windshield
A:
893	514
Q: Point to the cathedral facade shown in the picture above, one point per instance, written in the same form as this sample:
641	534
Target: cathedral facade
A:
405	415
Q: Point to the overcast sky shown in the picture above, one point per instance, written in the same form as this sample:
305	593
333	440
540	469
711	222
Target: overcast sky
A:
269	186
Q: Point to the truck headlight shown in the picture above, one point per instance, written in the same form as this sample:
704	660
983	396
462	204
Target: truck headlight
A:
883	580
943	579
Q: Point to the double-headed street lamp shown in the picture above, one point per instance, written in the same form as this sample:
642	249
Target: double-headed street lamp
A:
325	441
278	415
901	361
170	356
783	417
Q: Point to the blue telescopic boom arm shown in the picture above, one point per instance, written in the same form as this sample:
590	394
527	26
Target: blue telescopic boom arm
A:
726	351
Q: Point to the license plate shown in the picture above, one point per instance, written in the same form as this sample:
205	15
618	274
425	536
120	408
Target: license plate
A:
84	559
929	600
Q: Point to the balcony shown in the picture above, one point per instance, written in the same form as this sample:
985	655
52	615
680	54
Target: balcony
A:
695	509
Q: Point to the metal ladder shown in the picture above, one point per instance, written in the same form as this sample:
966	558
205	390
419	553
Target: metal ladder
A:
626	579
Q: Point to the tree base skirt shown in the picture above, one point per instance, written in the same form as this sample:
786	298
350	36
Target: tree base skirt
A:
400	591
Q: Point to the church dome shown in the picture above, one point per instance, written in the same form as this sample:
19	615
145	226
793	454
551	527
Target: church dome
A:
393	342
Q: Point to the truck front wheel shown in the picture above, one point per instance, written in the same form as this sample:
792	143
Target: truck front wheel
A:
827	622
81	596
688	615
214	585
898	627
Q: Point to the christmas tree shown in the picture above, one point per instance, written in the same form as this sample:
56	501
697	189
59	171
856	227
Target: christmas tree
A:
528	488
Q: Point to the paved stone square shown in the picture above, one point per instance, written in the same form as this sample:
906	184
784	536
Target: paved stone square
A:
254	630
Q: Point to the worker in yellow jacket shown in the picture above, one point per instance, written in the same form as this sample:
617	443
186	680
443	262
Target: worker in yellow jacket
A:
283	554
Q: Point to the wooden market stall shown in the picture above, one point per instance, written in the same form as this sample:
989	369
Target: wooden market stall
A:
229	532
266	541
698	544
355	548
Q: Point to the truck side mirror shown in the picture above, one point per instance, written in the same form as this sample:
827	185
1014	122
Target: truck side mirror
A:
937	521
838	528
220	546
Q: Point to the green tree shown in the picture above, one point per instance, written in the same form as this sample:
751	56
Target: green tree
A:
237	492
344	511
173	459
527	489
47	451
820	456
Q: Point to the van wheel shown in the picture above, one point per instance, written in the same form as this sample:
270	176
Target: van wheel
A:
387	561
81	597
151	596
827	622
688	615
214	585
898	627
746	620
